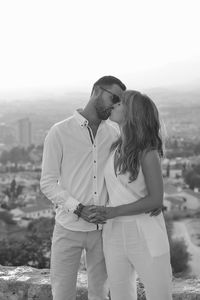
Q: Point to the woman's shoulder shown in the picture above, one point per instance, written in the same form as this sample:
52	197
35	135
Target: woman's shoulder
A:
149	154
150	157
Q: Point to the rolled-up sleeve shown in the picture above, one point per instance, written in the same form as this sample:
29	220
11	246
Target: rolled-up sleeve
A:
51	170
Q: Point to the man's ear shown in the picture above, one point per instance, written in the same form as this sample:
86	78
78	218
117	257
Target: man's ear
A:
96	91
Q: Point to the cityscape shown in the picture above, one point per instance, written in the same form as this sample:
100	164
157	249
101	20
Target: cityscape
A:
52	54
27	216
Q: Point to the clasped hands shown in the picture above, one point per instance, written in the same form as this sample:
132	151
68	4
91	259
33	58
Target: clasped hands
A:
96	214
100	214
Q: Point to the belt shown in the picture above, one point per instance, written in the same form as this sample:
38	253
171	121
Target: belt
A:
99	226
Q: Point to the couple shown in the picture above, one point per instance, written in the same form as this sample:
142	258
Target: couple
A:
100	179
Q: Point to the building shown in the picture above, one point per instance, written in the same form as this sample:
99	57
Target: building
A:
36	212
192	198
175	203
6	135
176	198
24	132
32	213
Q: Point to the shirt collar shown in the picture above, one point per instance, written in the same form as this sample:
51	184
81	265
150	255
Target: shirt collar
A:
83	122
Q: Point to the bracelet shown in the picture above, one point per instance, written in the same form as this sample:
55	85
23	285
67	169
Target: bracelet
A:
79	209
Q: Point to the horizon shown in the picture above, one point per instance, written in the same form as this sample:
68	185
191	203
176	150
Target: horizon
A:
62	93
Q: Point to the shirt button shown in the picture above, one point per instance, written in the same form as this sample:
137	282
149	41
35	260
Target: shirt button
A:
94	161
94	177
95	193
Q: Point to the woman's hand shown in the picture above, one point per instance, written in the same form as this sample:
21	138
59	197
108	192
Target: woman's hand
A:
99	214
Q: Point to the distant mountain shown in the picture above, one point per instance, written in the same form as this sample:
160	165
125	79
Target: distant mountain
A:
179	108
55	107
175	95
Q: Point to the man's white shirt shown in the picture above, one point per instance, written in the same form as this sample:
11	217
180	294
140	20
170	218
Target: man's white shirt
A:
73	168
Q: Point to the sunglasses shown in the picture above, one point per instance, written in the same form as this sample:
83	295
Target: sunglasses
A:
115	98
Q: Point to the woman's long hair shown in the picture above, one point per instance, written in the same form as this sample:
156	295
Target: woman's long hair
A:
140	133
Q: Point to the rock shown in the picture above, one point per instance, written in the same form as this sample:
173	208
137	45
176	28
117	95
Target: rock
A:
188	289
26	283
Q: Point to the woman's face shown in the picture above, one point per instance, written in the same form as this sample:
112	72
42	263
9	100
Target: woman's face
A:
118	113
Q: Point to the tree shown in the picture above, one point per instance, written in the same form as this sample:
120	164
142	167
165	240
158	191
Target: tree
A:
178	249
7	218
13	192
42	228
19	190
13	186
179	255
197	149
192	177
33	250
23	252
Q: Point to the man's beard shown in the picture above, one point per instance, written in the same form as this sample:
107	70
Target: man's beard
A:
102	112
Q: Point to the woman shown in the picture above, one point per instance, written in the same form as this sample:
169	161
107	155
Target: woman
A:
133	240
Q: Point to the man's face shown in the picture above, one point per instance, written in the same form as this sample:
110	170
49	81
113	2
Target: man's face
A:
106	100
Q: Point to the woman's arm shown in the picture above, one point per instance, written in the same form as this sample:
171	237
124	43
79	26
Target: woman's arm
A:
151	168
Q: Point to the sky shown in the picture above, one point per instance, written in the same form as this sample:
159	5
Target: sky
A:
47	45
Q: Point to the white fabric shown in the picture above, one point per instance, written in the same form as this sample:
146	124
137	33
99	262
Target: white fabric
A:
127	256
72	168
67	247
135	244
152	227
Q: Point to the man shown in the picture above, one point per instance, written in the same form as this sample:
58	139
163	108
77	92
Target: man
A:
75	153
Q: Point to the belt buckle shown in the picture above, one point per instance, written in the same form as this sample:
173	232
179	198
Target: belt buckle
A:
99	226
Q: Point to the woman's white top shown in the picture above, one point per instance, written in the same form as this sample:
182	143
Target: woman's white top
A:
122	192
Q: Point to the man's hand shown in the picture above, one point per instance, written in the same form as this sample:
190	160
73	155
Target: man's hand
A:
92	215
97	214
101	213
86	212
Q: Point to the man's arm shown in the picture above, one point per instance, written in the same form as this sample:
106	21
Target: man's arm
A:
51	171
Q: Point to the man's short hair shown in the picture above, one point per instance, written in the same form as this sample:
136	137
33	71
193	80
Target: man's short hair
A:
107	81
